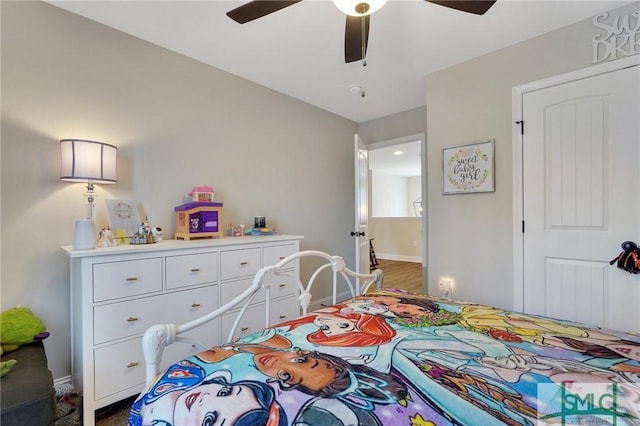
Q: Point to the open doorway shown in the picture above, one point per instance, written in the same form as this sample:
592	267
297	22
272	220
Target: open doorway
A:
397	210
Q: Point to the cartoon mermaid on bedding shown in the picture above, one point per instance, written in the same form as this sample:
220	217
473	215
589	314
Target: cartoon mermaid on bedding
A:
344	329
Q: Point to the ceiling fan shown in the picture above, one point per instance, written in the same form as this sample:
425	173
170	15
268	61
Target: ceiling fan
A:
358	14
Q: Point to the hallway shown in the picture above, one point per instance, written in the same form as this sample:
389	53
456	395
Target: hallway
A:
401	275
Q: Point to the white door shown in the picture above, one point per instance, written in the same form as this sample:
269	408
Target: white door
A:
581	199
360	232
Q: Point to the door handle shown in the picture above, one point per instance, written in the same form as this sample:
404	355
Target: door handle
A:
357	234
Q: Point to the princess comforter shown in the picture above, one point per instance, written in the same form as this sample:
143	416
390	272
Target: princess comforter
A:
395	358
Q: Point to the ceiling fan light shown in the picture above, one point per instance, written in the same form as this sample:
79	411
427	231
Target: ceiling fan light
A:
359	7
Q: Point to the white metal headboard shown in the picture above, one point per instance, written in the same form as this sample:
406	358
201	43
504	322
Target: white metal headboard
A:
159	336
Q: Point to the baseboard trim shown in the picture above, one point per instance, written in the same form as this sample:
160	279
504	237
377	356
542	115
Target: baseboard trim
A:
402	258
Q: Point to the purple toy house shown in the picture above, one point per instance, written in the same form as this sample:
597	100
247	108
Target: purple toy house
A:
198	220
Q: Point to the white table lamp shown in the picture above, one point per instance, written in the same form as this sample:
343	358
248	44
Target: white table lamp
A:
90	162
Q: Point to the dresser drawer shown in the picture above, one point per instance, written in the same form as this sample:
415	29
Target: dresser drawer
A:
231	289
191	269
239	263
119	367
283	310
252	320
114	280
207	334
123	319
273	254
283	287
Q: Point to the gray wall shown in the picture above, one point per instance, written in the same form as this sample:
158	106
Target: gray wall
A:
394	126
470	235
177	123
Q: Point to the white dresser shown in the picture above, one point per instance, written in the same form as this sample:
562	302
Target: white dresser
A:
118	292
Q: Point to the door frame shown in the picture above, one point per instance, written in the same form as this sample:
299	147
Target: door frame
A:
423	180
361	232
517	94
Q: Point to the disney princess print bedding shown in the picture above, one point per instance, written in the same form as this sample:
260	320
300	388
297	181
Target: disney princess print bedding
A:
396	358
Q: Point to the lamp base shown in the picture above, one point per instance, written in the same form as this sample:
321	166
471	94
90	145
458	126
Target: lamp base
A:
84	236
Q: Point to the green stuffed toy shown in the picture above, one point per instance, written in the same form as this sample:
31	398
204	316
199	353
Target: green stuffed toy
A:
18	326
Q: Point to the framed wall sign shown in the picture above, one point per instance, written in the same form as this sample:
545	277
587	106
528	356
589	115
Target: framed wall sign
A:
468	168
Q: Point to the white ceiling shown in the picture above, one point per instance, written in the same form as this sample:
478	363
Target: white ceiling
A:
299	50
399	160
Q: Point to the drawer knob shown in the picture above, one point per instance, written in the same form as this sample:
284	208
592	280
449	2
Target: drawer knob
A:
133	319
133	364
195	270
283	316
282	285
195	305
282	257
132	279
244	263
244	329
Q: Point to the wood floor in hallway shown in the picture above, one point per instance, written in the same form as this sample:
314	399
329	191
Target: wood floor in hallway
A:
402	275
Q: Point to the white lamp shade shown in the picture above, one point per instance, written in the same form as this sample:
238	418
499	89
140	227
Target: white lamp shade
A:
355	8
84	160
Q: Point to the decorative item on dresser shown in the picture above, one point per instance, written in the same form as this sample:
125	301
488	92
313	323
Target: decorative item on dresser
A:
118	292
124	219
198	220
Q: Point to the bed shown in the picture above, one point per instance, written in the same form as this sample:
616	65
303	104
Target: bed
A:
391	357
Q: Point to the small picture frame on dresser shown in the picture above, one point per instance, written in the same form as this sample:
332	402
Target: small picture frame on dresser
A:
123	218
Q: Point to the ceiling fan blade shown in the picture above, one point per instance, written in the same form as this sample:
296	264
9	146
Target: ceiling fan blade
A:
356	37
479	7
257	9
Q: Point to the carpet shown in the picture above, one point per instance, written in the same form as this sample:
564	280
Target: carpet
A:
70	412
